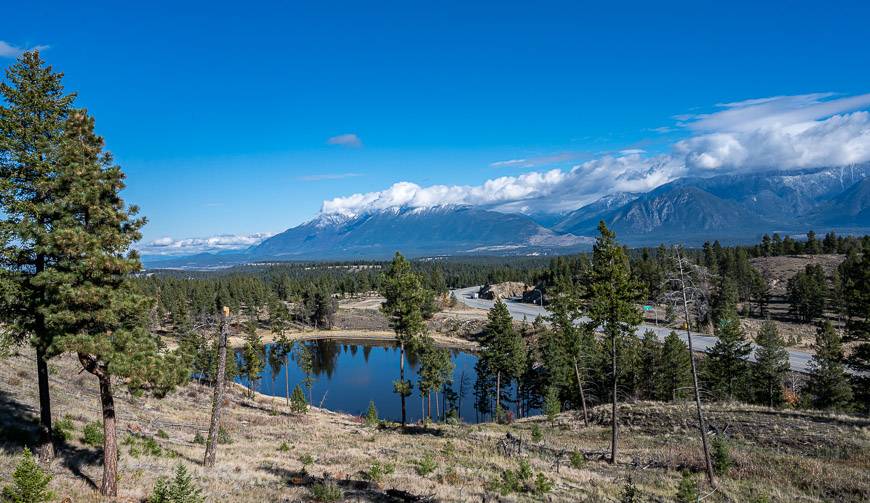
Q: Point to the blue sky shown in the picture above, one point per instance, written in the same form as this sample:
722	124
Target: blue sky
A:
221	113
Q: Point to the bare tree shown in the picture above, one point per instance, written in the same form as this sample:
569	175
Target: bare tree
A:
219	387
689	286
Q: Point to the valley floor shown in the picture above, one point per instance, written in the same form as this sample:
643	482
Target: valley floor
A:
778	455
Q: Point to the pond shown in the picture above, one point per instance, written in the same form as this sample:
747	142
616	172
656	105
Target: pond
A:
350	373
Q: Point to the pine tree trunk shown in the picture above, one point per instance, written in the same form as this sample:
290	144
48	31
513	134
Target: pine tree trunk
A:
701	425
497	394
218	400
582	393
109	486
402	378
287	379
614	420
45	450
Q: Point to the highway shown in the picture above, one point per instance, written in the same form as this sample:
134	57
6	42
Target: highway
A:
798	360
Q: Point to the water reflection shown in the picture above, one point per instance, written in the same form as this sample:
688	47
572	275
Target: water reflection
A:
349	373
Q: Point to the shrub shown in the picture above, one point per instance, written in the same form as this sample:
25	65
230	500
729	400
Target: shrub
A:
199	438
426	465
543	485
372	414
378	471
578	459
721	456
63	428
537	436
306	460
92	434
283	447
629	493
162	434
687	491
29	482
224	436
449	449
142	445
326	492
180	490
298	404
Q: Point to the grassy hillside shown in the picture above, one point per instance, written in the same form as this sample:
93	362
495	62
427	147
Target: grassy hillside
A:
276	456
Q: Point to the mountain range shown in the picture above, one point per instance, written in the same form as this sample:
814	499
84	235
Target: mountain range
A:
731	208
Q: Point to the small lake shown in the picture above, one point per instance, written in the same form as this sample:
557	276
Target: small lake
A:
350	373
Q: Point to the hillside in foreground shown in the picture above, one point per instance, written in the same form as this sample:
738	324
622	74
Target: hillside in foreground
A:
276	456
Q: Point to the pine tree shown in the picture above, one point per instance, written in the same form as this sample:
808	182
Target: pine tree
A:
29	482
829	384
93	300
806	292
675	369
570	344
727	368
180	490
298	404
613	295
650	363
32	118
252	357
855	305
771	365
404	299
503	348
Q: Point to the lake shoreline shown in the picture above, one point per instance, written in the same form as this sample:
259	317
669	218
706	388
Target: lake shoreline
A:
441	340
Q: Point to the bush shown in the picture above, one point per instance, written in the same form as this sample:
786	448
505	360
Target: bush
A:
543	485
326	492
687	491
180	490
306	460
92	434
63	428
29	482
629	493
199	438
537	436
162	434
578	459
298	404
426	465
283	447
224	436
449	449
372	414
378	471
722	462
514	481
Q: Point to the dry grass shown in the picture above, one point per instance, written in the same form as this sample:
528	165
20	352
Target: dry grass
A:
786	456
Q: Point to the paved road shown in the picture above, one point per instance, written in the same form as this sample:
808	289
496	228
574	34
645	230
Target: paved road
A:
798	360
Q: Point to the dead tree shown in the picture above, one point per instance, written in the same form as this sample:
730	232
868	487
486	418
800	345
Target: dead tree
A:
219	387
685	291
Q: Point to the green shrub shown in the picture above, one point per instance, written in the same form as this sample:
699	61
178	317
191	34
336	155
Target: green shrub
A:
180	489
139	445
298	404
283	447
721	456
537	436
199	438
326	492
29	482
629	493
578	460
63	428
449	449
543	485
687	491
306	460
162	434
224	436
426	465
378	471
92	434
372	415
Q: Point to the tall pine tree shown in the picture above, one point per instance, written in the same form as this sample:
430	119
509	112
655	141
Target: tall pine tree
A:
727	368
829	384
92	298
613	297
771	365
32	119
503	349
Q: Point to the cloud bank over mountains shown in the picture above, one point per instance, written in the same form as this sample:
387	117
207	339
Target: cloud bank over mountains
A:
781	132
189	246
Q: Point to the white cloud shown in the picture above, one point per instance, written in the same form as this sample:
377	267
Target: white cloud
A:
534	162
170	246
781	132
346	140
327	176
8	50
